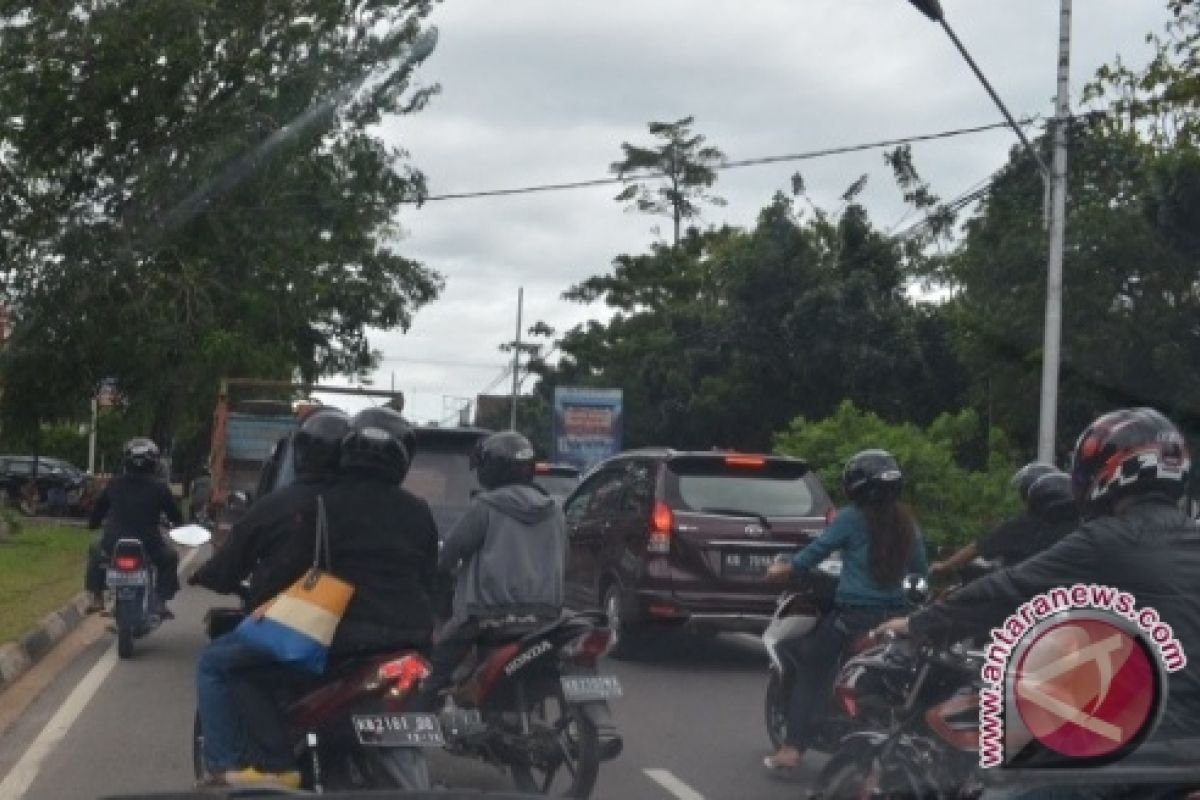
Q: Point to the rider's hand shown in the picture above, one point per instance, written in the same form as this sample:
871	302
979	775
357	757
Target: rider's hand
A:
895	627
779	571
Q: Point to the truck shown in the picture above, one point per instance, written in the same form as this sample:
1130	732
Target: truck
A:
252	428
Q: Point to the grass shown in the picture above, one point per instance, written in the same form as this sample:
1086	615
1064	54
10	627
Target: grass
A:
41	568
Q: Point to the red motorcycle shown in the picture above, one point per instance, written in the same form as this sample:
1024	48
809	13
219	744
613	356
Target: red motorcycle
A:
535	705
354	729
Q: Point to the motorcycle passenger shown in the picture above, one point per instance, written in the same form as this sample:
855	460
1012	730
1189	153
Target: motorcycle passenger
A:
1130	470
880	543
383	541
278	517
511	545
131	507
1013	540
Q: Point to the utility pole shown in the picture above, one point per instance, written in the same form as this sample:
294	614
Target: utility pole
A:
1052	347
516	367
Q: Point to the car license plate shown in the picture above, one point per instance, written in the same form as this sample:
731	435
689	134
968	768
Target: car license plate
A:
137	577
748	565
399	730
584	688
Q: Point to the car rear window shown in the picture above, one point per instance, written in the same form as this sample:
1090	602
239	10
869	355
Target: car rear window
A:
559	486
441	473
775	490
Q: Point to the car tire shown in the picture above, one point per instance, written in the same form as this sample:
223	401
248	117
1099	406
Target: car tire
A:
628	638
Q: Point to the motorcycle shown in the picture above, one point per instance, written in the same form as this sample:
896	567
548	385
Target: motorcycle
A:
796	614
131	578
535	705
354	728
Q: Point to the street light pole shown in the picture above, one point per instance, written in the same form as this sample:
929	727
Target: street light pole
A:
1057	181
516	367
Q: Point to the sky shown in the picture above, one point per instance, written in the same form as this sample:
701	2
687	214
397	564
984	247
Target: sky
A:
545	91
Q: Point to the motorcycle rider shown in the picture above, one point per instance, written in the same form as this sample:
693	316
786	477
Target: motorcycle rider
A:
1013	540
276	518
384	542
511	545
1130	470
880	542
131	507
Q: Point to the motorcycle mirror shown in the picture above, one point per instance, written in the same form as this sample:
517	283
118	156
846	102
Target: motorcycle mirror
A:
190	535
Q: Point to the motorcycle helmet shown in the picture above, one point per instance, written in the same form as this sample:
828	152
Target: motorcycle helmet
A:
1127	453
503	459
1026	476
140	455
1051	496
376	444
872	475
315	444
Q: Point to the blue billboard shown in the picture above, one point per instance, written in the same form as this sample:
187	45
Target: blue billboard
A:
587	425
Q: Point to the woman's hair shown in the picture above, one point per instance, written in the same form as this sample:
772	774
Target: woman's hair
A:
893	533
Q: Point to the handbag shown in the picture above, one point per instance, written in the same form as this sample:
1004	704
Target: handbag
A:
297	626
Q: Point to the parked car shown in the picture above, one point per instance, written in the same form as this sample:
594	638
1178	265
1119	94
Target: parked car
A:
659	537
53	474
559	480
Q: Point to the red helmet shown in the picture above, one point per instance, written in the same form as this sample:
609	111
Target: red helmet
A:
1128	452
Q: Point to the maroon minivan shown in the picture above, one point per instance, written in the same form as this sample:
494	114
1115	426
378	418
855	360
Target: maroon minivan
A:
661	537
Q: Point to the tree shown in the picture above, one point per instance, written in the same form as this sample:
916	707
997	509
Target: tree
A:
194	188
672	178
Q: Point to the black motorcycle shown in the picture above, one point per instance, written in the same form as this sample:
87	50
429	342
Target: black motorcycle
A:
131	578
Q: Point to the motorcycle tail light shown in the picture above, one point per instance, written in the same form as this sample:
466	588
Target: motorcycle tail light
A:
589	647
847	699
400	676
127	563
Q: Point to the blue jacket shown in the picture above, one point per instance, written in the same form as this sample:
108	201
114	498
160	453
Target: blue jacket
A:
849	534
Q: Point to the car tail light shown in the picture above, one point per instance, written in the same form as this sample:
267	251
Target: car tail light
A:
830	516
127	563
589	647
662	521
847	699
400	676
749	462
542	469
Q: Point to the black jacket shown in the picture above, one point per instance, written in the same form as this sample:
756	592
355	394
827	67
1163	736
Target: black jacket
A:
131	506
266	529
1151	551
1024	536
384	542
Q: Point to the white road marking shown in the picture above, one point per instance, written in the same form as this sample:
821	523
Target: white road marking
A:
25	771
676	787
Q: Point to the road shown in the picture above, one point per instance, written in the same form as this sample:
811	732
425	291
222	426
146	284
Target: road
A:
691	717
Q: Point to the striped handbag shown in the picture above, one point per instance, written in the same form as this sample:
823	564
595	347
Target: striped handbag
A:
297	626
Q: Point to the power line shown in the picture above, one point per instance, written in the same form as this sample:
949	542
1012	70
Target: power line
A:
728	165
439	363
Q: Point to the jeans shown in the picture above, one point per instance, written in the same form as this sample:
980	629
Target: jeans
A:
165	560
815	659
225	741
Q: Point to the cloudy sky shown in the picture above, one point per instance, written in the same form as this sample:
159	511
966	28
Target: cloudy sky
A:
545	91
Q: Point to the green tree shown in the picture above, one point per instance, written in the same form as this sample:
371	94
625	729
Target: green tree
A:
671	178
196	188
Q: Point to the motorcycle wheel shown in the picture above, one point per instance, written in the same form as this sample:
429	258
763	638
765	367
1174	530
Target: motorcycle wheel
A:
403	768
775	710
850	781
578	744
124	638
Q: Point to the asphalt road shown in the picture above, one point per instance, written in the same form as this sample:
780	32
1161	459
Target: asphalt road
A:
691	717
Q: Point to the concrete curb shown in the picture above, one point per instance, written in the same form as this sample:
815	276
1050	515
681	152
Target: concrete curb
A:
17	657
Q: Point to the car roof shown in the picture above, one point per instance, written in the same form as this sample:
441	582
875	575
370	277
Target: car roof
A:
429	432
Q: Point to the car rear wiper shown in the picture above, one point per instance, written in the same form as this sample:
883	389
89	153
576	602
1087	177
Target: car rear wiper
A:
737	512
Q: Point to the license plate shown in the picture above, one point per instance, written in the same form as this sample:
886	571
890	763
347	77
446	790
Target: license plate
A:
398	730
746	564
135	578
583	688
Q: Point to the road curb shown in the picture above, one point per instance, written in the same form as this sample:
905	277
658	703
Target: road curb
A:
16	658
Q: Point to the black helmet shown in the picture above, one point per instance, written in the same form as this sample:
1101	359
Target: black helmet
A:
141	455
1125	453
376	443
1050	496
1027	475
315	445
503	459
872	475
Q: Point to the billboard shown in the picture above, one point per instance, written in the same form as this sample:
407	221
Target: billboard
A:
587	425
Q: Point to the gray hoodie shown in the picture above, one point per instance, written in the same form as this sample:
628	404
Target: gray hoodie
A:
512	544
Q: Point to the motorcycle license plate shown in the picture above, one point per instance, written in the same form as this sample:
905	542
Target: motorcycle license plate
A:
746	565
584	688
137	577
398	730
